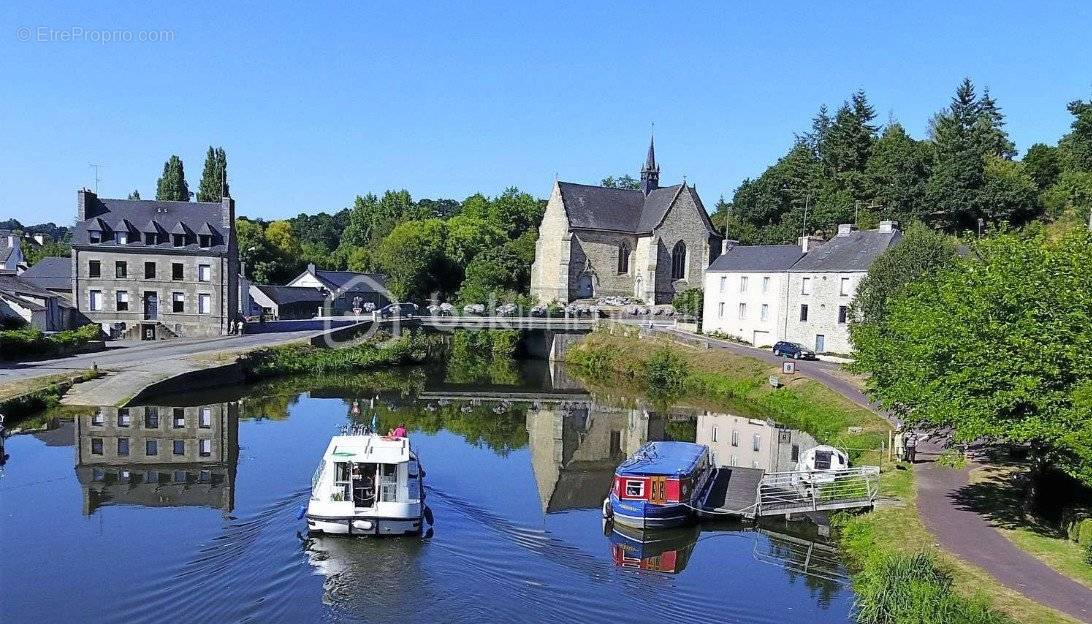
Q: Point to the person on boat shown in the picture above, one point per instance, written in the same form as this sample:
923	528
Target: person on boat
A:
399	431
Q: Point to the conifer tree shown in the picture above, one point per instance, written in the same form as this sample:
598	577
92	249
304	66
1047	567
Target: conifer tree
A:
172	186
213	184
134	195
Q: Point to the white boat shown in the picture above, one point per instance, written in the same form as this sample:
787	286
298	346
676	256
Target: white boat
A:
367	484
820	463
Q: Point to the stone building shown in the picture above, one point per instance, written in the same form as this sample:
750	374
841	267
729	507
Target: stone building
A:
745	290
649	243
155	269
158	456
11	252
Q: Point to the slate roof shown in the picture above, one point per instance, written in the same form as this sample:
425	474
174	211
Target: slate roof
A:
847	253
756	258
336	280
620	210
50	273
161	216
16	286
285	295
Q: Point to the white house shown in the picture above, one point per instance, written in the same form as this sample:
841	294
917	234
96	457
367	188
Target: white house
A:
745	290
824	281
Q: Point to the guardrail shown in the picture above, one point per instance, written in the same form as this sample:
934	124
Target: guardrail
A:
798	492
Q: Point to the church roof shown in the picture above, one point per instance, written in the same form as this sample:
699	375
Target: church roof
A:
619	210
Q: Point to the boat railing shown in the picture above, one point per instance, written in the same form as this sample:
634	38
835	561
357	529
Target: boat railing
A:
801	491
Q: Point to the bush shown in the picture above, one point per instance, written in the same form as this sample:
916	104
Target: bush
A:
666	373
912	589
689	302
31	342
1088	553
407	349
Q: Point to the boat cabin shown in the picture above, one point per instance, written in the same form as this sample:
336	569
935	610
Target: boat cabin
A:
663	473
367	470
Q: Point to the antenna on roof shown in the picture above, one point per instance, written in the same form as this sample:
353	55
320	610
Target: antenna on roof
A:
96	167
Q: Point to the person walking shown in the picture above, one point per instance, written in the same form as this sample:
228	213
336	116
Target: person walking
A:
911	446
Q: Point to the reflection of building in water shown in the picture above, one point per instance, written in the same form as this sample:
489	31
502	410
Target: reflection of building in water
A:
751	443
158	456
576	446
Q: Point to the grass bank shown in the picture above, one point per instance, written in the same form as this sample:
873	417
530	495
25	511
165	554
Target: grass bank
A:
24	398
376	352
899	576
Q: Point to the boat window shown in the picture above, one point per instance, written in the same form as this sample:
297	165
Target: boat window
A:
822	460
388	483
635	488
342	485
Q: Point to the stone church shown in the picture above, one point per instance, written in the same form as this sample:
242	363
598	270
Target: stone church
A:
648	243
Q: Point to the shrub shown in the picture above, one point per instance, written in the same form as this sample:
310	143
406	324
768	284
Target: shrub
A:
666	373
952	458
31	342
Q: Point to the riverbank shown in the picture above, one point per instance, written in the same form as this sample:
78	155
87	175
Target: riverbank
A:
900	576
26	397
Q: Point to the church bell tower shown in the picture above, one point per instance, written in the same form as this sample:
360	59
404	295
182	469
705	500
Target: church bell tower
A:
650	173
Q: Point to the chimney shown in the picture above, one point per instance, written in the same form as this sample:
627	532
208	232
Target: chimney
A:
808	243
845	229
227	213
311	268
727	244
12	241
83	198
888	226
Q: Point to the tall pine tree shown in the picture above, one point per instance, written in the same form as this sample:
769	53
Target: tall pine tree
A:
172	186
214	186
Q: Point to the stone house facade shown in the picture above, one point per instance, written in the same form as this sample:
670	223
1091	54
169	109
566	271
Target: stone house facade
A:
156	269
745	291
751	443
650	243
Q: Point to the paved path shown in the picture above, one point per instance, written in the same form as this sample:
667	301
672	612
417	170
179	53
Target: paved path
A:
958	529
967	534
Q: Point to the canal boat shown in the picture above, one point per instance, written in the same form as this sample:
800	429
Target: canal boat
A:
659	486
367	484
820	464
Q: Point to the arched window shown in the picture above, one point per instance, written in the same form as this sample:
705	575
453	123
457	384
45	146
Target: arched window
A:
678	261
623	258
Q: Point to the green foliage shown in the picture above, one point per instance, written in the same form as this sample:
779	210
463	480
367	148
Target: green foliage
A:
1070	196
625	181
997	345
666	373
214	183
172	186
912	589
413	348
33	254
689	301
135	195
483	356
1042	163
270	250
1076	146
31	342
952	458
413	259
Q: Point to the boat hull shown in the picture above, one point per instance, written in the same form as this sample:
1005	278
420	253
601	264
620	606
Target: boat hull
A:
363	525
644	515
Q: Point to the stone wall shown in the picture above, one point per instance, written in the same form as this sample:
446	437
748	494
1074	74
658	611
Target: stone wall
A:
823	308
595	254
683	222
549	273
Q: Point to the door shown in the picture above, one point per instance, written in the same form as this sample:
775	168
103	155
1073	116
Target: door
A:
656	495
147	332
820	343
584	286
637	293
151	305
761	339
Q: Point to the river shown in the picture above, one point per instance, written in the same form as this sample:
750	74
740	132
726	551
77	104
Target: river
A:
106	520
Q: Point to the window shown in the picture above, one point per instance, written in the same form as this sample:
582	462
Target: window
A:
756	442
720	310
204	448
179	419
123	417
176	271
735	438
178	302
179	447
765	284
764	312
678	261
94	268
742	311
149	239
122	238
96	446
204	303
723	282
843	314
204	417
714	434
179	476
121	269
122	300
151	447
204	241
149	270
204	273
179	240
123	447
803	312
743	284
843	287
95	237
94	300
635	488
795	453
151	418
623	258
99	419
805	286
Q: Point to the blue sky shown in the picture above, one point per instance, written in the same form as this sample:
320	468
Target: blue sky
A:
315	104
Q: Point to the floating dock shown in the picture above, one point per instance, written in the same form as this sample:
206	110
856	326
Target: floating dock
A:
752	492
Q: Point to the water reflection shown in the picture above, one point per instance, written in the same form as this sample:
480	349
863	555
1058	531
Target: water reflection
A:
750	442
158	456
665	550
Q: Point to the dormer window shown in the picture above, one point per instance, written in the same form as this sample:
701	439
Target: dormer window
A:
121	238
150	239
205	241
95	237
179	240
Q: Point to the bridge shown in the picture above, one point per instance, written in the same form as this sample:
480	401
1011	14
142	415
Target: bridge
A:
488	396
752	492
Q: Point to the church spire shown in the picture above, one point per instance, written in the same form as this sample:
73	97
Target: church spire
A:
650	173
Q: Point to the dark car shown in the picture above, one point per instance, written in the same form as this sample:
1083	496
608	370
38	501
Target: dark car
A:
793	350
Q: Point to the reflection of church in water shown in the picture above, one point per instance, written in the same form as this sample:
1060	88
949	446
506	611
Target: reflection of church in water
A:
158	456
577	444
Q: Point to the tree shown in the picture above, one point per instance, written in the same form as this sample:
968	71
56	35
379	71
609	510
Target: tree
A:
1070	197
621	182
172	186
371	218
1009	195
998	346
1042	165
896	174
515	212
468	236
280	237
690	302
134	195
501	274
214	184
1076	146
412	257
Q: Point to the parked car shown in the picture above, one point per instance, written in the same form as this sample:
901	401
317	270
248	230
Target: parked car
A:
793	350
398	309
